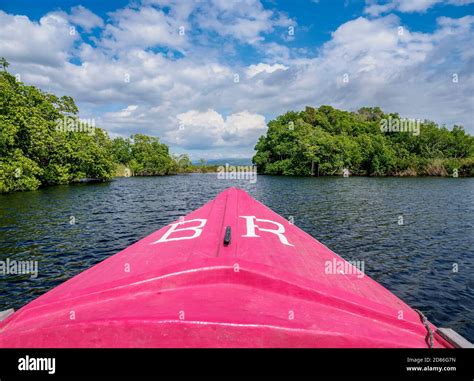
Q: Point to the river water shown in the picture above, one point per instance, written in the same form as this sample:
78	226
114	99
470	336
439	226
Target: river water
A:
415	235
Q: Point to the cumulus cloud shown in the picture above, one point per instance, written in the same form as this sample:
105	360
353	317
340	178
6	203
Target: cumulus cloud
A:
254	70
85	18
47	42
246	21
143	28
209	129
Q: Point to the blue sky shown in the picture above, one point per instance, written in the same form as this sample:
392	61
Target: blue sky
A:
207	76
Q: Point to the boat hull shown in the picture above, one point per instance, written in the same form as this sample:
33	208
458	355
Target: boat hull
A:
272	285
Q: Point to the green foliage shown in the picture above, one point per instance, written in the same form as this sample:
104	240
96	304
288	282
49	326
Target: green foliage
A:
324	141
122	150
34	151
18	173
145	156
182	163
150	157
4	63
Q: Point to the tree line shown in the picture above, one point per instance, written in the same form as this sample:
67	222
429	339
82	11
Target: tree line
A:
327	141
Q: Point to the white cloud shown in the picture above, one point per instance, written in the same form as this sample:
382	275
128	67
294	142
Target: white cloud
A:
254	70
85	18
209	129
376	47
47	42
373	8
143	28
246	21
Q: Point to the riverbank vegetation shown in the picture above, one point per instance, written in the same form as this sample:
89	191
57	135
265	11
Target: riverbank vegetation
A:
143	155
326	141
36	150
